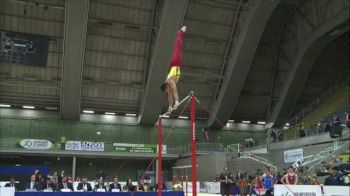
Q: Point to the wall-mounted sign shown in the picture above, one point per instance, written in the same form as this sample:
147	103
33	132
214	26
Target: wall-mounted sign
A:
138	148
35	144
291	156
85	146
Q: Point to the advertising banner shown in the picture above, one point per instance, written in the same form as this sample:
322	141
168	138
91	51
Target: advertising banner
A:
35	144
85	146
138	148
295	190
291	156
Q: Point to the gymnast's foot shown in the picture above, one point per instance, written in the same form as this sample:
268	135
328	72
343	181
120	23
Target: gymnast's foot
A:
176	105
170	109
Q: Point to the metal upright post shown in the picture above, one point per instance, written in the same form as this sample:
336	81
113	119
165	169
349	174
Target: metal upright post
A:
193	142
159	169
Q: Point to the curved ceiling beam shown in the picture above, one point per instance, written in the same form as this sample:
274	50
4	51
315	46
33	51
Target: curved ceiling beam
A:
243	51
306	36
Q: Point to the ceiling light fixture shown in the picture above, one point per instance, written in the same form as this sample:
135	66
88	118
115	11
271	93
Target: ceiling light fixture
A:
88	111
110	113
183	117
130	115
246	121
231	121
5	105
261	122
28	107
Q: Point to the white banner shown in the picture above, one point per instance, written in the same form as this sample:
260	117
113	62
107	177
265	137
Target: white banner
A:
213	187
8	191
85	146
35	144
336	190
189	187
291	156
297	190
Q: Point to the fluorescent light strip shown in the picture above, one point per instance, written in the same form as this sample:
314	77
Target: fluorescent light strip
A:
287	124
246	121
51	108
130	115
109	113
88	111
166	116
28	107
5	105
261	122
183	117
231	121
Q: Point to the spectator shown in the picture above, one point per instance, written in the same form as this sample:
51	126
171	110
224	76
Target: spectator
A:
60	177
32	185
49	185
37	175
65	184
242	184
314	181
278	178
280	135
225	182
54	178
268	183
291	177
84	185
273	136
302	131
101	175
129	185
115	185
334	160
347	120
334	177
140	186
305	179
100	186
239	175
327	126
12	183
250	185
336	120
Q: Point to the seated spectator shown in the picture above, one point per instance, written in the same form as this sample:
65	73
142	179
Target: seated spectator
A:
32	185
336	120
12	183
334	160
129	185
100	186
334	178
140	186
84	185
49	185
314	181
54	178
305	179
115	185
65	184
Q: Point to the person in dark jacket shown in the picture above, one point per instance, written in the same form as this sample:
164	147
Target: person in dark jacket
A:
84	185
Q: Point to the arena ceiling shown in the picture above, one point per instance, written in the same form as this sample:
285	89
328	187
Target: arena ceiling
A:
239	57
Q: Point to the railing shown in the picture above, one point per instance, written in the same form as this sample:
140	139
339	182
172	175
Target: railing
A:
11	143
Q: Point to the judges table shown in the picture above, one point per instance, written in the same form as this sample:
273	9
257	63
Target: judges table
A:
98	194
